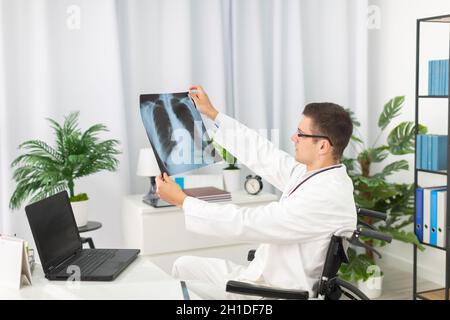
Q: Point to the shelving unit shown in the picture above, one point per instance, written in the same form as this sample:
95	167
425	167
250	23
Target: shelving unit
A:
441	293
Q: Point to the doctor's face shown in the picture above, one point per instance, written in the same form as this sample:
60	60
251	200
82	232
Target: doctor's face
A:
306	148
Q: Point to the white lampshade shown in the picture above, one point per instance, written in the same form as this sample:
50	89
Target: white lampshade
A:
147	165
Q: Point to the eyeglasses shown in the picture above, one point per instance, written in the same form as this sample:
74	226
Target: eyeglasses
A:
304	135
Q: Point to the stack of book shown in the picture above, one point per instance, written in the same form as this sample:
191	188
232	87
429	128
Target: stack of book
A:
438	77
210	194
431	210
431	153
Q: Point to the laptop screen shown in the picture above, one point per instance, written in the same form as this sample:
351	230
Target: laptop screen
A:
54	229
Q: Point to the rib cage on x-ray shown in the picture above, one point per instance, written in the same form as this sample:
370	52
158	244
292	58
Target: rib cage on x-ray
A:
183	114
162	128
162	114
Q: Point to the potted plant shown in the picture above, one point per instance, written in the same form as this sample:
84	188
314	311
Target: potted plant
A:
363	271
373	191
232	173
45	170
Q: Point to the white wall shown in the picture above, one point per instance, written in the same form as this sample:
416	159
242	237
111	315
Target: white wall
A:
392	61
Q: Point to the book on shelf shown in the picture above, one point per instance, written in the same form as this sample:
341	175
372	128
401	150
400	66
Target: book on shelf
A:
438	77
211	194
431	153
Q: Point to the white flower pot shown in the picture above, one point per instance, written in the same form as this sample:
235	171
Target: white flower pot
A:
232	180
80	211
373	287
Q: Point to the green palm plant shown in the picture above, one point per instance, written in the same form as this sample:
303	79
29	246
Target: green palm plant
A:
373	191
45	170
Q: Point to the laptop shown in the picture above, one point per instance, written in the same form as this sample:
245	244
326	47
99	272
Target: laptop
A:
60	249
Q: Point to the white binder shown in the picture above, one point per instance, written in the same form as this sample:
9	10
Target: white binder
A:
441	218
426	215
14	265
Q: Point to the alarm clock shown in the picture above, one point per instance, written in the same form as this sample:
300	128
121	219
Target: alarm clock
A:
253	184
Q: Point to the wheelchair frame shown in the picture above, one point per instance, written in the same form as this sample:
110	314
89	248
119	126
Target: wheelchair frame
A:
329	286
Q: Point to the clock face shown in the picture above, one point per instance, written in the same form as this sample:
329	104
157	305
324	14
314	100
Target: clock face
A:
252	186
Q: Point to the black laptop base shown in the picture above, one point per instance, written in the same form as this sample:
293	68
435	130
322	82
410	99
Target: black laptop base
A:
106	269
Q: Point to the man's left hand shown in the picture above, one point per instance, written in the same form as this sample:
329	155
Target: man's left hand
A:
169	191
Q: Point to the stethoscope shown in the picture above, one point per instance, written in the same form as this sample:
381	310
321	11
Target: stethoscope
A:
314	174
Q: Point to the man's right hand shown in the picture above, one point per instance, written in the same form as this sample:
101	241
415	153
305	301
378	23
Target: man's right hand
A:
202	102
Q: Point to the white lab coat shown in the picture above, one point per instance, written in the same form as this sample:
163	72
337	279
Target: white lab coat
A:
294	232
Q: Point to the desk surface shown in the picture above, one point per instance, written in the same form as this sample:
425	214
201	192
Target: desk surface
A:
240	198
142	280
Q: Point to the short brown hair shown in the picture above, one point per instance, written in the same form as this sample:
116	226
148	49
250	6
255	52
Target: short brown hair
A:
333	121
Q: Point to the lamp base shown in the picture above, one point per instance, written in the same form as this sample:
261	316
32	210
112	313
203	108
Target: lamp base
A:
158	203
152	199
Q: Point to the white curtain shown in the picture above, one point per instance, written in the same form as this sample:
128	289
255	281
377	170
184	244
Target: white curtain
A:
51	68
260	61
335	45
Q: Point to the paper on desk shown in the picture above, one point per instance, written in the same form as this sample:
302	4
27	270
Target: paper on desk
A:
14	266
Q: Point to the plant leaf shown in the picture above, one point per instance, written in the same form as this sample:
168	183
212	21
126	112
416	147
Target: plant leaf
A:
71	123
393	167
401	140
355	122
357	267
390	111
225	154
377	154
356	139
348	163
401	235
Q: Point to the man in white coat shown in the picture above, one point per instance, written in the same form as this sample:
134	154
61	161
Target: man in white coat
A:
294	232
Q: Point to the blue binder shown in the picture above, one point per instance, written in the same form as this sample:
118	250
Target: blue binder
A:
433	215
419	214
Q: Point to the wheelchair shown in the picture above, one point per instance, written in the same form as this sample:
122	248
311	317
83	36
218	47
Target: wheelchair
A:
329	286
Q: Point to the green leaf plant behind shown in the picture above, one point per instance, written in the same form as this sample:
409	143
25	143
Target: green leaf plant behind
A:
227	156
44	170
373	191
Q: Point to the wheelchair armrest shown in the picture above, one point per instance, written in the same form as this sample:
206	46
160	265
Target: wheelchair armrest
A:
264	291
251	255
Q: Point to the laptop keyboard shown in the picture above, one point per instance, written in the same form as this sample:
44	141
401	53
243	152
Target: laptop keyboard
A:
91	260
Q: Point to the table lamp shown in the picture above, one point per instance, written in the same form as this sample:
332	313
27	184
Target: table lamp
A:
148	167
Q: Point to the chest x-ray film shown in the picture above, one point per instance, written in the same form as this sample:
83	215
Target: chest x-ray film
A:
176	132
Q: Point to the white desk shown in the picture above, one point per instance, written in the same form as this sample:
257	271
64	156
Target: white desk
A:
158	231
142	280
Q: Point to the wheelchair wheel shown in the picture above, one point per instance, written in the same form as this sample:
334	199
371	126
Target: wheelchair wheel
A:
350	291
